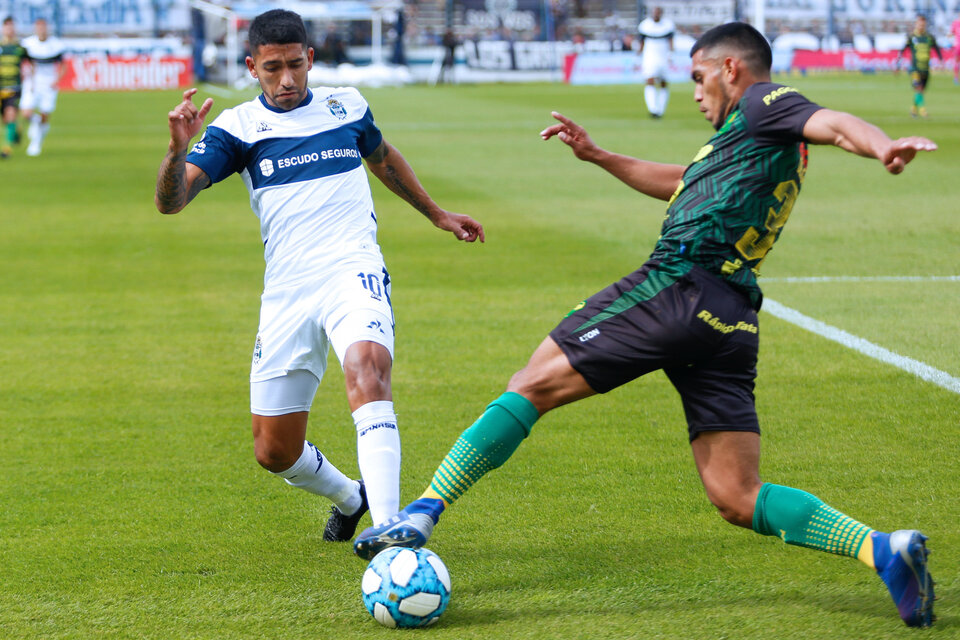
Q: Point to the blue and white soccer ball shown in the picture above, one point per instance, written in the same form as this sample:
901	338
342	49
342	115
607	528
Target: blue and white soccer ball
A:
406	587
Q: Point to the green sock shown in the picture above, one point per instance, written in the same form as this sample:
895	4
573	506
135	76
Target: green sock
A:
11	132
804	520
919	99
484	446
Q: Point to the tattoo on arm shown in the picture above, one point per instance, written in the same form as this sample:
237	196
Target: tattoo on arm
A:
173	193
379	154
201	183
399	178
406	192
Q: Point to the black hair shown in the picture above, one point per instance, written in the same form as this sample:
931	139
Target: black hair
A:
8	19
277	26
749	42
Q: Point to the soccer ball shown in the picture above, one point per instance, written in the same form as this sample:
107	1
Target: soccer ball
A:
406	587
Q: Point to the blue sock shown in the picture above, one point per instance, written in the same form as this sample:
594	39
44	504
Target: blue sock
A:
431	506
881	550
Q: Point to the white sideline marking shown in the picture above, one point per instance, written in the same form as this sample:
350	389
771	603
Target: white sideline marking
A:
864	279
917	368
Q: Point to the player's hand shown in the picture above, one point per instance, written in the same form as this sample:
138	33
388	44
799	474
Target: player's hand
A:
186	120
464	227
573	135
903	150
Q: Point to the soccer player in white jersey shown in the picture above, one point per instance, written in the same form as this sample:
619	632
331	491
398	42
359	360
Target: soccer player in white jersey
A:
299	153
42	85
656	43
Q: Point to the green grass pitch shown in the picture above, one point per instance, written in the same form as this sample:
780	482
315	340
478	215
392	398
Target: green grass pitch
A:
130	502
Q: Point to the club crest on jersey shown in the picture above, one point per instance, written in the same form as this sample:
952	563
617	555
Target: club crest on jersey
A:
336	108
266	167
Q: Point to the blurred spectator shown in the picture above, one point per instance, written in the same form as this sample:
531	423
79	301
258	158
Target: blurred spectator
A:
333	49
399	56
198	35
449	43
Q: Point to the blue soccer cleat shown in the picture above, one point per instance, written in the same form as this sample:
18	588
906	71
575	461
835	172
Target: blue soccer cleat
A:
901	561
410	528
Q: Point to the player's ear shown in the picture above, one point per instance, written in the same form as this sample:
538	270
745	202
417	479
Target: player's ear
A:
251	67
309	58
730	69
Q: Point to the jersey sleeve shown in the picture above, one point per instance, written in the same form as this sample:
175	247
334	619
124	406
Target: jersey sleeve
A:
776	114
218	153
370	136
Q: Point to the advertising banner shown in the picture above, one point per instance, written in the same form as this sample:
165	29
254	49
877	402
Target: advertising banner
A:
857	9
619	68
859	61
97	72
81	17
493	15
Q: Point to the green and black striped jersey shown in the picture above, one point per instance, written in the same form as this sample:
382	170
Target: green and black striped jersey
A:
12	56
738	192
920	46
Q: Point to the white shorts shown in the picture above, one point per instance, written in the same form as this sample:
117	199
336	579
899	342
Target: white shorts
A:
655	67
43	100
299	323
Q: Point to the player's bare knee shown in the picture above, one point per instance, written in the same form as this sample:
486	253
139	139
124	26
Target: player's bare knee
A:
273	456
534	388
737	515
734	507
368	381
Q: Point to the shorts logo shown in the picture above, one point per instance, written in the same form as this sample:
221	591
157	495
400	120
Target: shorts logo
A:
257	351
336	108
582	304
715	323
590	335
376	325
266	167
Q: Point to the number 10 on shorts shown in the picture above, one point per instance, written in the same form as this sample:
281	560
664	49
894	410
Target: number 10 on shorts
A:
371	282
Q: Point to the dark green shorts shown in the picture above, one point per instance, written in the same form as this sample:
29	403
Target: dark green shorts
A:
9	98
701	331
919	78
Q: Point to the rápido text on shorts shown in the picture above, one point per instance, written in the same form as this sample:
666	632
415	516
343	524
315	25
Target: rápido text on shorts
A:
723	327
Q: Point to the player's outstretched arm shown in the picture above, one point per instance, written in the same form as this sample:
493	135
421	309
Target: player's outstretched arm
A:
651	178
392	169
178	182
862	138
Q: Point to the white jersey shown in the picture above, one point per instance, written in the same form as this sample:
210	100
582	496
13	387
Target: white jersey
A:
45	56
656	37
306	180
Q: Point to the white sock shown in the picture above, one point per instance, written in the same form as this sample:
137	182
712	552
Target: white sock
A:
650	97
314	473
44	128
33	131
663	96
378	452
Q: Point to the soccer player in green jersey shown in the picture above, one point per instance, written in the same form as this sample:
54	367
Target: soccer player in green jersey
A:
12	56
921	44
691	310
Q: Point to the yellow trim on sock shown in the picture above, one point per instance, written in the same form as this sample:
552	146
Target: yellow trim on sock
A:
865	554
433	495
